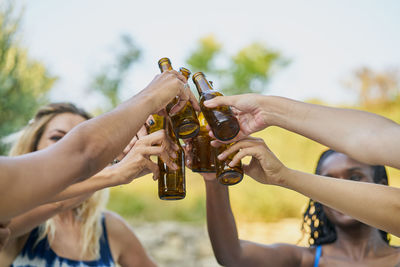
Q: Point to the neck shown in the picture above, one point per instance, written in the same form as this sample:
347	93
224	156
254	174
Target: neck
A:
359	240
66	217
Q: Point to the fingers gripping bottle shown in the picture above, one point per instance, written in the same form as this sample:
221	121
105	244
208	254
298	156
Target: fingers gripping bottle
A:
171	184
227	175
223	123
185	122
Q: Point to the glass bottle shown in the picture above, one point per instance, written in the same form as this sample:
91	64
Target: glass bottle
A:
185	122
203	153
223	123
227	175
172	184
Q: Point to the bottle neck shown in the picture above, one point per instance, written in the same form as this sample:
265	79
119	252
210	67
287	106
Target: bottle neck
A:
202	85
165	66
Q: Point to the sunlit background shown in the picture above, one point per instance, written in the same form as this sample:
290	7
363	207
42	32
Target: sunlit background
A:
98	53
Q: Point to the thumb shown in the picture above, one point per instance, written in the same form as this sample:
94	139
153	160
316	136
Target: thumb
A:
220	101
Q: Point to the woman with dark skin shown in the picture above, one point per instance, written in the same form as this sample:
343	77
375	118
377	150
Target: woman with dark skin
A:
335	239
364	136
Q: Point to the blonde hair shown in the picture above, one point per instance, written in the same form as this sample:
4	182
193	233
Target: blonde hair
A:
88	213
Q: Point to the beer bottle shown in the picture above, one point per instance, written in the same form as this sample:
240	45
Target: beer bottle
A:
223	123
185	123
171	184
203	153
227	175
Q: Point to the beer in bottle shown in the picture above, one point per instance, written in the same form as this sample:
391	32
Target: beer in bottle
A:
203	153
171	184
223	123
227	175
185	123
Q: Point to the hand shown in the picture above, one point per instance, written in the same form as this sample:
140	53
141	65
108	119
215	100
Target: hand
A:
264	166
4	234
167	85
187	147
137	161
248	110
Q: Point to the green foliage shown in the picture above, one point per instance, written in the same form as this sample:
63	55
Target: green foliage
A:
203	56
24	82
248	71
109	80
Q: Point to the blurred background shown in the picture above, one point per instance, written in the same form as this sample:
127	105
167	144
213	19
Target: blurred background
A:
98	53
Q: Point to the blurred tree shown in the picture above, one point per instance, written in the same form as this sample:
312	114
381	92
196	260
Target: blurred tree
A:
202	58
109	80
24	82
375	87
249	70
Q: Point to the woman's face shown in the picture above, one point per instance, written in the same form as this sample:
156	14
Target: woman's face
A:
340	166
59	126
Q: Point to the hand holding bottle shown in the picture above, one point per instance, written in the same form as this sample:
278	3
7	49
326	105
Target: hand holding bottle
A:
165	87
137	162
264	166
247	108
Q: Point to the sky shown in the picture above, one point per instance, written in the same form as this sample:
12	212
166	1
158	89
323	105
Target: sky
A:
324	40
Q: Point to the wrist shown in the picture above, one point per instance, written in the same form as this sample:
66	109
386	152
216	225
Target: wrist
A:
284	177
274	110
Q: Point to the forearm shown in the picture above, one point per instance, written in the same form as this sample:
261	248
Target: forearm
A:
363	136
101	180
221	224
24	223
81	153
373	204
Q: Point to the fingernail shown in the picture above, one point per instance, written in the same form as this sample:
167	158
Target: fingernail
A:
221	156
230	164
173	155
175	166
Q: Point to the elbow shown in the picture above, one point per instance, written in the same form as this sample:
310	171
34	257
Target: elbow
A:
91	153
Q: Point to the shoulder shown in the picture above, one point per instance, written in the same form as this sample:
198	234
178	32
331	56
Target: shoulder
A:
117	227
125	246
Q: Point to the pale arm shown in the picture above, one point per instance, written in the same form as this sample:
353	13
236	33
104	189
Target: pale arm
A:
24	223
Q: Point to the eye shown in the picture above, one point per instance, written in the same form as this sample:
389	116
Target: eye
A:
355	177
55	138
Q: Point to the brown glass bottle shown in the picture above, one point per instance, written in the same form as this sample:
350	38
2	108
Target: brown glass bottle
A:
185	123
222	122
227	175
203	153
172	184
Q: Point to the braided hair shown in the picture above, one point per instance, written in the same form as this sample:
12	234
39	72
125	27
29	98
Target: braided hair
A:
315	222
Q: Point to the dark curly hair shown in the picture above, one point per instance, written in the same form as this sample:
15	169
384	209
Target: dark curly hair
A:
316	223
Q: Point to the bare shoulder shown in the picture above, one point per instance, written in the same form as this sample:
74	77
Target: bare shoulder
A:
115	223
125	246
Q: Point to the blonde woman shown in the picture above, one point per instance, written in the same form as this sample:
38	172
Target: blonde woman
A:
26	182
82	233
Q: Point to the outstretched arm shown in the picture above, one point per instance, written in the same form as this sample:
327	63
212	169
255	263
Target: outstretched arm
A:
228	249
373	204
29	180
364	136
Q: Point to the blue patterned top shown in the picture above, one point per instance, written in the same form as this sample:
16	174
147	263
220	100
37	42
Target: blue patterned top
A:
42	255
